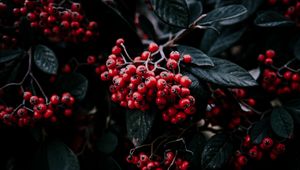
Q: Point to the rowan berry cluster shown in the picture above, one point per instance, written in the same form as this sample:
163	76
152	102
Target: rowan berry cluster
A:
266	148
141	81
170	161
58	22
280	81
292	9
35	108
223	109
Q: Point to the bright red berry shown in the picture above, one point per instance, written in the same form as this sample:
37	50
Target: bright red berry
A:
270	53
153	47
187	58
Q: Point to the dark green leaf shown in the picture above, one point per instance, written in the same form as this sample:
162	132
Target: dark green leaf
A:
272	19
173	12
195	8
45	59
297	49
252	6
147	27
196	145
224	73
282	122
260	130
226	40
293	107
61	157
107	143
226	14
109	163
199	91
216	152
8	55
139	124
198	57
75	83
40	159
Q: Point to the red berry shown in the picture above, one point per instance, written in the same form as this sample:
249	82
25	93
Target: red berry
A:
253	152
48	113
261	58
34	100
150	82
68	112
187	58
247	141
51	19
67	69
37	115
54	99
181	116
269	61
172	64
116	50
145	55
184	165
153	47
270	53
3	7
242	160
92	25
272	2
288	75
161	84
31	16
184	103
251	102
280	148
266	143
175	55
22	112
273	155
27	95
120	41
91	59
75	7
185	81
41	108
296	77
141	70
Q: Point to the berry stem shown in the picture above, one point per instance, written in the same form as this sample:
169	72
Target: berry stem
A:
173	161
126	53
40	88
25	76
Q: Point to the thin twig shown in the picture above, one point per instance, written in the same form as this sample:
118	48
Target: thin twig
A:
40	88
126	53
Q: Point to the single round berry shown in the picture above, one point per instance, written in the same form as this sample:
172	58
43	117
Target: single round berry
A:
242	160
187	58
270	53
27	95
54	99
153	47
91	59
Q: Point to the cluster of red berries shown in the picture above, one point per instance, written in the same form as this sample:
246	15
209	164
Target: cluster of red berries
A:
35	109
170	161
141	81
222	111
7	42
57	22
293	9
256	152
280	81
